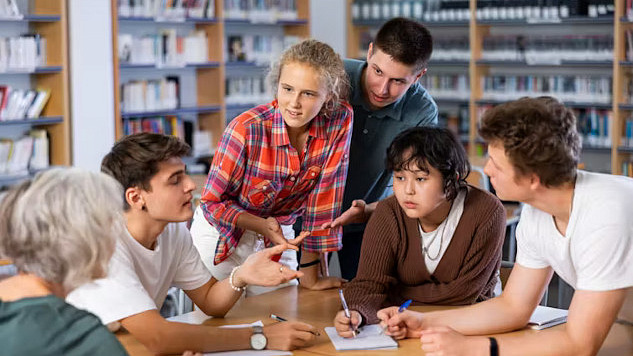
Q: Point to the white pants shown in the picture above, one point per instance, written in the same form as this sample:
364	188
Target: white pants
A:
205	239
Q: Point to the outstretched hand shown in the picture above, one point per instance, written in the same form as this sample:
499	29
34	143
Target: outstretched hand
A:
259	268
355	214
274	233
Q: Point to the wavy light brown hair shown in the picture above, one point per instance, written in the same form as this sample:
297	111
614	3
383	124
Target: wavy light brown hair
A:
538	135
325	61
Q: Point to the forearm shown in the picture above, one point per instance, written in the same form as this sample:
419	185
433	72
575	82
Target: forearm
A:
551	342
248	221
493	316
221	297
165	337
311	273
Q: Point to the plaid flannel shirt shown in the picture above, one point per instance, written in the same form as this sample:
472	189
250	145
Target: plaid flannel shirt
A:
256	170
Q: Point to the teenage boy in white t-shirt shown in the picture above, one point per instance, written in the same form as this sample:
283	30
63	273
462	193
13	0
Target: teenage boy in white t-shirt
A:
157	252
575	223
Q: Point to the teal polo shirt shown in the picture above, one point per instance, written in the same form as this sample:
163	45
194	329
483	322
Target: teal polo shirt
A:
375	129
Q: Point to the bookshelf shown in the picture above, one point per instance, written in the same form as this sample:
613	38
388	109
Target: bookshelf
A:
610	72
48	19
202	86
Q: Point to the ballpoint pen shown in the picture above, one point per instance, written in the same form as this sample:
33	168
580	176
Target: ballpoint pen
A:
401	308
347	313
278	318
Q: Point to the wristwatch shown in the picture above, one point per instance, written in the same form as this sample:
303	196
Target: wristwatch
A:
258	339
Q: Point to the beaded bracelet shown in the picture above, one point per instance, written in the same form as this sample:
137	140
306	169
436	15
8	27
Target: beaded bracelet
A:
237	289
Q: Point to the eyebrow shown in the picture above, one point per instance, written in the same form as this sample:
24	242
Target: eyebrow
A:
178	172
375	66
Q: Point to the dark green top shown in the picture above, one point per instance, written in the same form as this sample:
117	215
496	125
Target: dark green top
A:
49	326
375	129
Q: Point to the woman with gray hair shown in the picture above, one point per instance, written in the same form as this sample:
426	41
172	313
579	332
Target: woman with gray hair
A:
59	231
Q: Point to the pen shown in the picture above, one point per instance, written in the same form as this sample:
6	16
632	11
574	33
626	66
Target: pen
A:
347	313
278	318
401	308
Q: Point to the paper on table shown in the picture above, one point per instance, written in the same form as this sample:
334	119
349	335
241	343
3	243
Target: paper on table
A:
369	338
546	317
194	317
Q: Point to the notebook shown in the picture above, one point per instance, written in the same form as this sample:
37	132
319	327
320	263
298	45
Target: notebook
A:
546	317
369	338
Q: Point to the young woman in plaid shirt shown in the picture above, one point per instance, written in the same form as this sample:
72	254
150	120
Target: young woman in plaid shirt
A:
277	162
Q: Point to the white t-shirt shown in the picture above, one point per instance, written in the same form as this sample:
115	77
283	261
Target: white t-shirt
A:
138	278
436	242
596	253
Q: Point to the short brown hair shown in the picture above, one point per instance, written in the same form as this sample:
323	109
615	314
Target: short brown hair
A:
325	61
539	136
134	159
406	41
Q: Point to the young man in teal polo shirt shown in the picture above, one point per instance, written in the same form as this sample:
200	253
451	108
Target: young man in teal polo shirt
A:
387	99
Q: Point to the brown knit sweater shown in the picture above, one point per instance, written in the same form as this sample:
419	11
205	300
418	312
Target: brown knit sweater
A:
392	267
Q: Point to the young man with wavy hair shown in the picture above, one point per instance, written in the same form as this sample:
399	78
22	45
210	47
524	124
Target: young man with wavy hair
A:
156	252
575	223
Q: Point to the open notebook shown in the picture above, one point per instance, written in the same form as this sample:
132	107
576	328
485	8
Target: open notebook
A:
546	317
369	338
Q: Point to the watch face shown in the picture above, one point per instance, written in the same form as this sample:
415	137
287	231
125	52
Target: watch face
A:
258	341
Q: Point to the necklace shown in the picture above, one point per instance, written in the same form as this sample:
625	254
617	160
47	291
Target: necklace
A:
425	249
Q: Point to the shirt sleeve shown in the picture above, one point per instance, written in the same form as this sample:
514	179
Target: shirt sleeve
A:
191	272
325	201
225	177
528	254
120	295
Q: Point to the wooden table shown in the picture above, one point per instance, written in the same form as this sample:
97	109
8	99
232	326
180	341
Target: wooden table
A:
319	308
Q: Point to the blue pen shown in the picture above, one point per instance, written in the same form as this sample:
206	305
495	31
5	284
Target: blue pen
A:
401	308
346	310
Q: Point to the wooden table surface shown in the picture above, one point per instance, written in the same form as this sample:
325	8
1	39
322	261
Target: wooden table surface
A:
319	308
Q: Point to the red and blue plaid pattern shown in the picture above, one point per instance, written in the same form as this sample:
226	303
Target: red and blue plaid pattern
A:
256	170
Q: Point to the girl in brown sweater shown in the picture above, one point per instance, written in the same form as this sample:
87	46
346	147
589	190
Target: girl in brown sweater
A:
436	241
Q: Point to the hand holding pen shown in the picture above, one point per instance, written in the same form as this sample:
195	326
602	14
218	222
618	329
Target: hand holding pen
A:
346	321
401	308
280	319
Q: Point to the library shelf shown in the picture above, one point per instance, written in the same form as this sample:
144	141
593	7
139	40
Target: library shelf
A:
157	67
178	111
549	22
378	23
561	63
186	20
570	104
32	18
43	120
445	100
260	23
446	63
627	107
38	70
238	64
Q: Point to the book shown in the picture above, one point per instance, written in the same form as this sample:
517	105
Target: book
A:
38	104
546	317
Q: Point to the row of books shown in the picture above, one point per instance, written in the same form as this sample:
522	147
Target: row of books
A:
447	86
261	49
261	11
29	153
19	104
150	95
430	10
163	49
10	9
627	137
595	126
571	88
628	9
247	90
168	125
167	9
456	48
543	10
548	49
627	168
20	53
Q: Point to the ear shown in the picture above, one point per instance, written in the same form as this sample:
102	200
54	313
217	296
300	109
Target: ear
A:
422	72
134	198
535	181
370	50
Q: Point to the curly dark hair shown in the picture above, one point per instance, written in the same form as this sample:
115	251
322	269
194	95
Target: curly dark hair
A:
407	41
434	146
538	135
